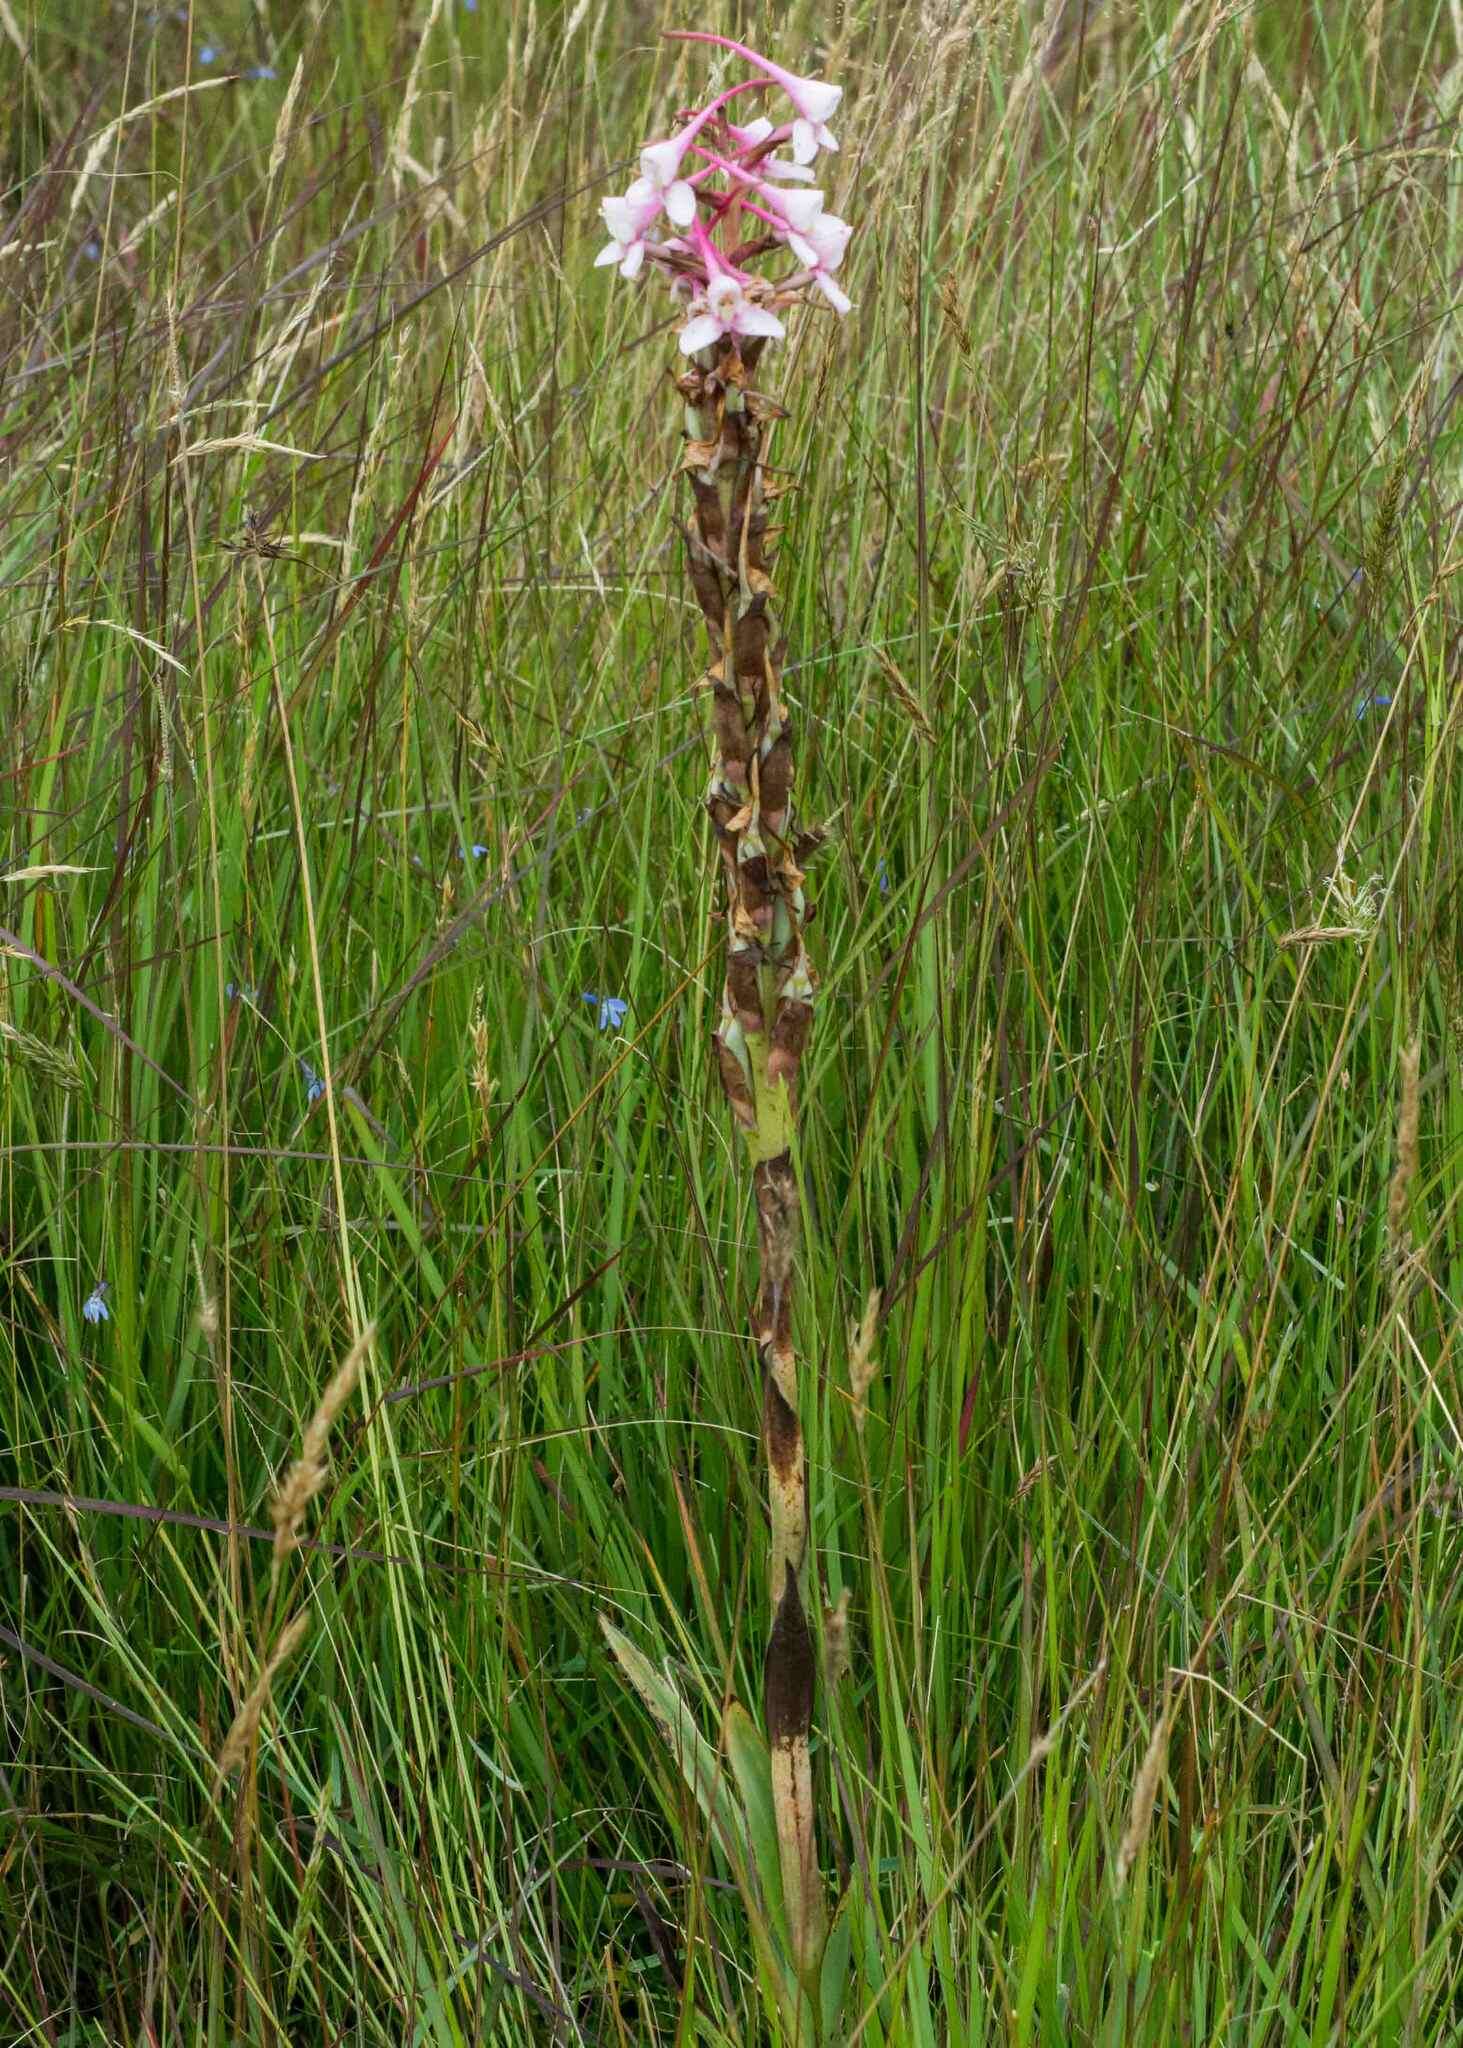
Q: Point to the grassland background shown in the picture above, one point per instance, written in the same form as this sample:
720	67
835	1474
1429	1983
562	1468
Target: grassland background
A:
1136	471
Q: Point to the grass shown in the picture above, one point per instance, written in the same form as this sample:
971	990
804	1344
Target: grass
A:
1144	879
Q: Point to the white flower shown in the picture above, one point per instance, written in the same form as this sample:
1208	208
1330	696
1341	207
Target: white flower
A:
799	209
753	135
745	140
628	216
808	137
821	244
724	308
660	168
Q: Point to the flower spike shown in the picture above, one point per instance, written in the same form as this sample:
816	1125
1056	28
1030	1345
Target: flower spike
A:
737	174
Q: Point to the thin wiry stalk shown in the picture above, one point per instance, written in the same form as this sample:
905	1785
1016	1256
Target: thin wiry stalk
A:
766	1016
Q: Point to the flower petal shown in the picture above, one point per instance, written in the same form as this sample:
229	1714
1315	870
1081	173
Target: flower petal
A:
680	203
814	98
619	217
776	167
757	320
830	237
836	296
826	138
799	209
612	252
660	162
804	142
699	332
634	260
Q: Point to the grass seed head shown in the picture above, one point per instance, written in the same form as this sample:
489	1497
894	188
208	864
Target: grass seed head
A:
861	1362
306	1476
837	1656
1145	1792
239	1742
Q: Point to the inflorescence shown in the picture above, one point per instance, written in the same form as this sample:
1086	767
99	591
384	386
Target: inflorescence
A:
730	198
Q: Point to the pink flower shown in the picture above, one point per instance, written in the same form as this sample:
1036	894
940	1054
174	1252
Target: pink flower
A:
660	163
724	307
813	100
627	218
801	210
753	136
821	247
739	174
660	168
821	241
791	209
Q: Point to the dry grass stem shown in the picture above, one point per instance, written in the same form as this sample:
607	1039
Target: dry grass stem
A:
1404	1174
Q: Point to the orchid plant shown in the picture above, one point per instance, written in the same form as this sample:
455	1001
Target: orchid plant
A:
716	196
727	211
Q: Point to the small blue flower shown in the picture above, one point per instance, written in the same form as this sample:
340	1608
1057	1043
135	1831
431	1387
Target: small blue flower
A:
1378	703
314	1086
469	6
208	54
473	852
882	871
261	71
611	1009
91	249
94	1309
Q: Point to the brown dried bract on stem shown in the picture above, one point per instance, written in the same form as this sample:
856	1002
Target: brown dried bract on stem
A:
766	1015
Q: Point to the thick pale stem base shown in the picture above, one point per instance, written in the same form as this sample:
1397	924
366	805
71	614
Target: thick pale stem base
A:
767	1014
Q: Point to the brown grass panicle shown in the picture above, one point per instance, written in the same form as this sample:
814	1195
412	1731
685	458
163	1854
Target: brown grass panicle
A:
300	1485
238	1744
307	1474
1145	1793
862	1365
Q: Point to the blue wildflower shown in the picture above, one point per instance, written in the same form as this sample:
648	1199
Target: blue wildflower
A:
882	871
314	1086
261	71
473	852
91	249
208	54
611	1009
94	1309
1378	703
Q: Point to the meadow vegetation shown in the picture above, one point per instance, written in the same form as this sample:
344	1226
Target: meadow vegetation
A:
359	957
